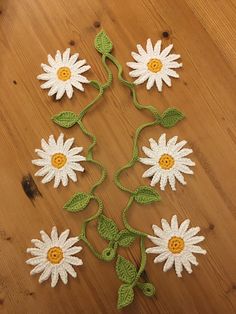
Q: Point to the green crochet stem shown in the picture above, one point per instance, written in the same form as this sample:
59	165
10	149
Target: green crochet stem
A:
107	228
125	220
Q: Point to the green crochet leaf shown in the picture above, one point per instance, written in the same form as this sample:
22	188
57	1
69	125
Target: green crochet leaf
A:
78	202
170	117
107	228
102	43
146	195
125	270
66	119
125	238
125	296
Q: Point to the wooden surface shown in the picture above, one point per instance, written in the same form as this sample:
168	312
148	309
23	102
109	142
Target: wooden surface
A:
203	32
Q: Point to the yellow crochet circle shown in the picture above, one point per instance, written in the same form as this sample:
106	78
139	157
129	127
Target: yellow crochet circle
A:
166	161
154	65
176	245
58	160
55	255
64	73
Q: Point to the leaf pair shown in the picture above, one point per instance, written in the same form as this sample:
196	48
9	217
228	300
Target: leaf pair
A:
108	230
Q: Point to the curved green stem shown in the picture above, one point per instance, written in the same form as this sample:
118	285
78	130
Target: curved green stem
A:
103	175
125	220
134	158
131	86
143	261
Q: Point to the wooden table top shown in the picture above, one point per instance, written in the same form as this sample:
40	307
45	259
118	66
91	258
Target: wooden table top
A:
203	32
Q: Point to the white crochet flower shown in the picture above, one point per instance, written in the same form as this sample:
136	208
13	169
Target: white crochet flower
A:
58	160
154	65
167	161
63	73
176	245
53	256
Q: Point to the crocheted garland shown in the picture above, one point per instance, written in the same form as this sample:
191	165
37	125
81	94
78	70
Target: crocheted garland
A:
172	241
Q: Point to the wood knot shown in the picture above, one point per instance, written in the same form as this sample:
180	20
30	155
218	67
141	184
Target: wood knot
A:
211	226
29	187
96	24
72	42
15	82
165	34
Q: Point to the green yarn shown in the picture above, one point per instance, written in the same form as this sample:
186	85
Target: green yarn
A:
107	227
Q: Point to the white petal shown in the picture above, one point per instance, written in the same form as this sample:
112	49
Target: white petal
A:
174	223
195	240
54	277
60	141
165	225
178	266
83	69
71	174
76	166
166	51
186	161
166	79
63	237
173	65
142	78
171	178
82	79
187	265
155	178
156	241
136	65
169	263
58	57
185	169
60	92
178	146
45	237
63	274
136	56
35	251
40	163
192	259
67	145
70	242
39	244
158	232
49	176
179	177
70	269
172	73
159	83
73	250
44	76
153	144
46	273
196	249
54	236
53	90
138	72
183	227
75	150
69	91
148	161
156	250
66	55
163	181
162	140
51	61
157	47
77	85
150	82
73	59
35	260
78	64
141	51
73	260
150	153
64	179
57	179
77	158
150	172
162	257
39	268
172	57
149	46
191	232
46	68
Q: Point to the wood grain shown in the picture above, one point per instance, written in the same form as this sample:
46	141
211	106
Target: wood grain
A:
203	32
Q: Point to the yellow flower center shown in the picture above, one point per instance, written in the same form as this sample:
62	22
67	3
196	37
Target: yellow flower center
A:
58	160
154	65
166	161
55	255
64	73
176	245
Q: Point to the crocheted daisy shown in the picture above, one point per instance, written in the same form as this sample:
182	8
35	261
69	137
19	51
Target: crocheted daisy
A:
154	65
167	160
176	245
53	256
63	73
58	160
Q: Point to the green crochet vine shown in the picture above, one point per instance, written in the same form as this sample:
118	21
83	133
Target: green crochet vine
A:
106	227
